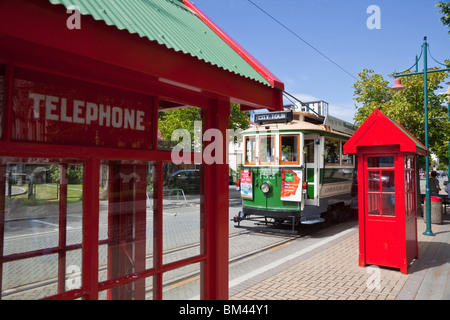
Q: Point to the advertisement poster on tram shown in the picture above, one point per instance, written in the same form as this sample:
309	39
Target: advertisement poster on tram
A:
291	182
246	184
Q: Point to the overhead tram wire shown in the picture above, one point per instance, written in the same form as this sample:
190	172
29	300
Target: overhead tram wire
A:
306	42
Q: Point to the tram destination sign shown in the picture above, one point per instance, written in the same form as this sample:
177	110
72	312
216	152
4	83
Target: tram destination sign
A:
54	109
270	117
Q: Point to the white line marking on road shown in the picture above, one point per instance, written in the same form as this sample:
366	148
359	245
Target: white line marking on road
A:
50	224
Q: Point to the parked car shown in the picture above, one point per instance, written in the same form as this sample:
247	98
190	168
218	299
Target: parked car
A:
188	180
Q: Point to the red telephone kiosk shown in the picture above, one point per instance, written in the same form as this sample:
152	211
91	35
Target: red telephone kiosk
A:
386	191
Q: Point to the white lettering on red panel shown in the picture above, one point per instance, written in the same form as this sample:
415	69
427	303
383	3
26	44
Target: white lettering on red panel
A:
58	109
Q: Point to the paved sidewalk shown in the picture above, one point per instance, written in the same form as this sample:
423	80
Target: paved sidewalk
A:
331	272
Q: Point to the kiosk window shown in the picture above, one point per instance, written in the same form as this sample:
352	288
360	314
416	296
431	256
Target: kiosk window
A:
267	150
289	149
381	192
380	162
250	148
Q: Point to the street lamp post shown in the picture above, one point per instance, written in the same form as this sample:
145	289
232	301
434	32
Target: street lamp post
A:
397	87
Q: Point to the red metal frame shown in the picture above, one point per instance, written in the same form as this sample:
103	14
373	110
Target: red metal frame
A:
124	61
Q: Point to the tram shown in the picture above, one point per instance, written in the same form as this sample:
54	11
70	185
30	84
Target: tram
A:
295	171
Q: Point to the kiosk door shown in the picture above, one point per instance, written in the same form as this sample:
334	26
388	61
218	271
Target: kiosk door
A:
379	214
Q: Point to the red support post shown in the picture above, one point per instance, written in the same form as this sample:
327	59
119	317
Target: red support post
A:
2	218
216	216
90	227
62	227
157	228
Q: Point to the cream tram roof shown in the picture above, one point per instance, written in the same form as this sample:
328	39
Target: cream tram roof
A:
305	121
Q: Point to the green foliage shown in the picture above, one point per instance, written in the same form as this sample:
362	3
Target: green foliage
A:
185	118
445	10
407	107
74	174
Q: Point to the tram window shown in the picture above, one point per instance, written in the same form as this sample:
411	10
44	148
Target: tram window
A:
332	151
347	159
309	150
267	150
2	98
250	148
289	149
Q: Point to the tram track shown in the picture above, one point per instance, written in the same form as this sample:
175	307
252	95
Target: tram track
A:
285	240
282	240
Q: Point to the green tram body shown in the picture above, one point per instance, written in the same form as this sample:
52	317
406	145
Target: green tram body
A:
271	152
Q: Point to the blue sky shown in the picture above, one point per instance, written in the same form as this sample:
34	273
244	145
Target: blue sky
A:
338	29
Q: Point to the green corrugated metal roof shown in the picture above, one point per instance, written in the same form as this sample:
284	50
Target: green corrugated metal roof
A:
169	23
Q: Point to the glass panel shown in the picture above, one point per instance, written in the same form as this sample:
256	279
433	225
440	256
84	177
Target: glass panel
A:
309	150
267	150
373	204
179	125
388	181
43	207
388	205
410	185
182	283
126	224
73	270
374	181
181	211
250	149
332	148
30	279
2	97
135	290
380	162
289	146
347	159
409	162
332	175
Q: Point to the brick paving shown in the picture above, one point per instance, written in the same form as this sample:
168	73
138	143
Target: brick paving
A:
333	274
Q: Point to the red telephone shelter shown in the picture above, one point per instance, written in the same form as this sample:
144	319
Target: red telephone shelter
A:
84	174
387	191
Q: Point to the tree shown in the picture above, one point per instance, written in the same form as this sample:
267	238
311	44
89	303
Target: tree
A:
185	118
445	10
406	107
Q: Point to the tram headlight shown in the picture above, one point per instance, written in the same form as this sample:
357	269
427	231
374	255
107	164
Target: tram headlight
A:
265	187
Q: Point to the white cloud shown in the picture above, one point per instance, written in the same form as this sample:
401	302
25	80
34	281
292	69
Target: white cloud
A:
344	111
303	97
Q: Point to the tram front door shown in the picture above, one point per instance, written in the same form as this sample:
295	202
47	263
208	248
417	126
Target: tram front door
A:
380	210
